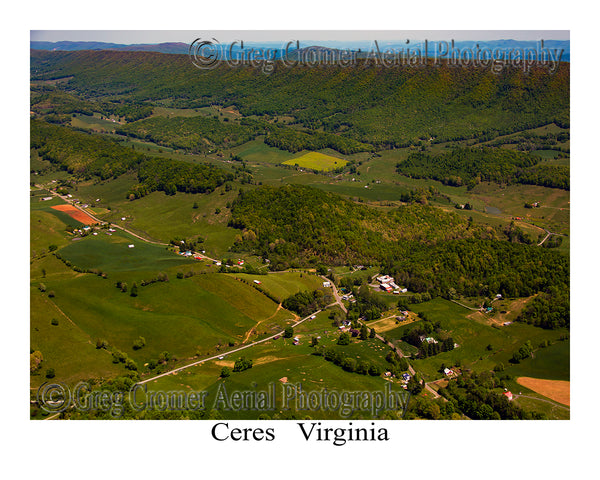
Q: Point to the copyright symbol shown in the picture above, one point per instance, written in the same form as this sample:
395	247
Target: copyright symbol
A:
53	397
205	54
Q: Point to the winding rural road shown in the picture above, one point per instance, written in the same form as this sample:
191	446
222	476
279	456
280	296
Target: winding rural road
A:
338	301
70	202
170	372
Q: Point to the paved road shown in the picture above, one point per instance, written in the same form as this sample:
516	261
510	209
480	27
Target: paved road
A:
70	202
338	301
228	352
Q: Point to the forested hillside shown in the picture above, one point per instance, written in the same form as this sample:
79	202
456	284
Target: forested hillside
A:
198	134
47	99
425	249
384	107
300	223
469	166
80	153
86	156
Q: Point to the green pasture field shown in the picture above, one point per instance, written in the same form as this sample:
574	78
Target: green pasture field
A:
282	285
144	146
47	267
277	175
553	410
317	161
274	361
46	229
93	123
543	130
551	157
178	112
65	347
552	363
258	152
111	254
110	192
473	336
161	217
36	202
373	192
350	272
185	317
45	171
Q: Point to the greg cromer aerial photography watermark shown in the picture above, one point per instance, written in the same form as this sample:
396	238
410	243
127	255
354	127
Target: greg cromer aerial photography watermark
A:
207	54
58	397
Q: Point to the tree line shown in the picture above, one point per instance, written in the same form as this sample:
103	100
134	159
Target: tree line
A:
86	156
470	166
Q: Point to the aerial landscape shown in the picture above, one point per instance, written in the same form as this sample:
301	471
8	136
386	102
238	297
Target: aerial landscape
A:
321	240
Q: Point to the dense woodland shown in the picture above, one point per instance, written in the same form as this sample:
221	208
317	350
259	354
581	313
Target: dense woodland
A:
425	249
294	141
550	309
86	156
384	107
301	223
164	175
479	398
49	100
469	166
197	134
82	154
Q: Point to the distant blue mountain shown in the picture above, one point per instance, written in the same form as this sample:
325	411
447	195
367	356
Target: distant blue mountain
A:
174	47
356	46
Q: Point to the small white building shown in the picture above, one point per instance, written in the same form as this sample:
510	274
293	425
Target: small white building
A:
131	245
385	279
327	284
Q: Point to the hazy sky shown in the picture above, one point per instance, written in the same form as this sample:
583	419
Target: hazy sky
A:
186	36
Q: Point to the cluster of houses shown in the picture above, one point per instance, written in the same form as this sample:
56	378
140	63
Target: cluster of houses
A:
345	326
405	377
423	338
84	231
386	283
349	297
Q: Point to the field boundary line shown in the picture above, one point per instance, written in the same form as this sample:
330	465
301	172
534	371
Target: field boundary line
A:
226	353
